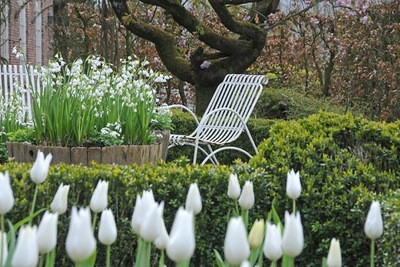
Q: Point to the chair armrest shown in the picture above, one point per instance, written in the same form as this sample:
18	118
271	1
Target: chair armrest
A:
178	106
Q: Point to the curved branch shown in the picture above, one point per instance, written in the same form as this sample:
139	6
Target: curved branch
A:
164	42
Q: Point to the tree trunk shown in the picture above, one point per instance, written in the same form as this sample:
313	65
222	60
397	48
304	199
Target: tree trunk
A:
203	97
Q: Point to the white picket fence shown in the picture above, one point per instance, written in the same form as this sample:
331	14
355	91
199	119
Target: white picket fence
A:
16	81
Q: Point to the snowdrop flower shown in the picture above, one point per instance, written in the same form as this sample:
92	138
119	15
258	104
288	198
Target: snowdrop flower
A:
193	199
60	201
273	242
293	186
373	227
293	239
233	187
47	232
334	256
26	252
236	246
256	235
40	168
181	243
98	203
80	243
6	194
246	200
160	79
142	205
107	228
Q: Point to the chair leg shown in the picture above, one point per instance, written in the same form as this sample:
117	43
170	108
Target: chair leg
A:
196	146
213	158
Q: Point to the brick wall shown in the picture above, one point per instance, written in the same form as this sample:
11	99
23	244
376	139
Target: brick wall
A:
30	31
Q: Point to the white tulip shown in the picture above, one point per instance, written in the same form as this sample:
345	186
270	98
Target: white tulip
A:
47	232
6	194
80	243
40	168
273	242
3	244
151	223
193	199
233	187
334	256
245	263
236	245
293	239
293	186
107	228
60	201
98	202
162	239
181	243
246	200
142	205
373	227
26	252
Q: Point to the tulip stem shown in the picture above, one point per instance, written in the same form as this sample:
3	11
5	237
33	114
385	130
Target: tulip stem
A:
148	253
372	260
1	239
108	256
94	221
245	217
33	203
273	264
139	252
294	205
236	208
161	263
41	260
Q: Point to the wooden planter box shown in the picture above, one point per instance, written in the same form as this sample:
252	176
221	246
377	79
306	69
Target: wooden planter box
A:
124	154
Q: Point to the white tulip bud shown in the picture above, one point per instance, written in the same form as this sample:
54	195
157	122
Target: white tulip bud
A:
293	239
150	228
246	200
40	168
193	199
236	245
26	252
98	203
141	208
233	187
107	228
256	235
334	256
293	186
60	201
373	227
80	243
273	242
162	239
181	243
47	232
6	194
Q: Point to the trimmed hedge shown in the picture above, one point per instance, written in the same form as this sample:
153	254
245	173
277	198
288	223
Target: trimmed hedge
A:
185	124
345	162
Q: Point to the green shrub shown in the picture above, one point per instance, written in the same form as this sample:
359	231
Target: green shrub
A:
185	124
345	162
328	209
287	104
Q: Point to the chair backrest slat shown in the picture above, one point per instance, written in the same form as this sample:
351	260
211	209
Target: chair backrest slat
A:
237	92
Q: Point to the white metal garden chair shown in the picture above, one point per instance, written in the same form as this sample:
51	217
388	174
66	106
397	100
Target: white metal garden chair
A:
225	117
